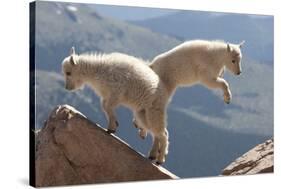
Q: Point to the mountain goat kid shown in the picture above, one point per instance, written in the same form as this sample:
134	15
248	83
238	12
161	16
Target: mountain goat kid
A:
199	61
120	79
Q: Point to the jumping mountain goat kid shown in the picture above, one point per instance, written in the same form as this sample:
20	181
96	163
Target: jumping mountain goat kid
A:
119	79
198	61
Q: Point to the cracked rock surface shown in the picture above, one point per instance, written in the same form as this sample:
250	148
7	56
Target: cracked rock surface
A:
72	150
260	159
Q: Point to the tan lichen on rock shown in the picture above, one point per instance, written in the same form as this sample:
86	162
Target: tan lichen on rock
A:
260	159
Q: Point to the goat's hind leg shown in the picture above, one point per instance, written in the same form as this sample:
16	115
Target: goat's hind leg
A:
135	123
154	150
142	133
163	147
157	125
108	106
140	122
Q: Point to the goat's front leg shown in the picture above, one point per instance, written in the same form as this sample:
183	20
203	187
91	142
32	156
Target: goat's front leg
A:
108	108
218	83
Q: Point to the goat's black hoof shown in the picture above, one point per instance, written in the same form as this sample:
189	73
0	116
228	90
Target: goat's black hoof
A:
109	131
158	163
135	124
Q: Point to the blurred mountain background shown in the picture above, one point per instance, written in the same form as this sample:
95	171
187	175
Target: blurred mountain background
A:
205	134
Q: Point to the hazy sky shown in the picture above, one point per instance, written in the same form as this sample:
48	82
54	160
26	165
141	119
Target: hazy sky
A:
131	13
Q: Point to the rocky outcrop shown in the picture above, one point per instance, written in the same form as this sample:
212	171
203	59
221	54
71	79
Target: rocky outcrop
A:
257	160
72	150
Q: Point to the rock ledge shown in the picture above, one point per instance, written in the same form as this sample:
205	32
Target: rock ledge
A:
72	150
260	159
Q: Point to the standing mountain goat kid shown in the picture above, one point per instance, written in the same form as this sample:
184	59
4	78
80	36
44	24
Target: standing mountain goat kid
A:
199	61
120	79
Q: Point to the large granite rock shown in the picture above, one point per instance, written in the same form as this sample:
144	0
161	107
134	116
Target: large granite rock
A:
72	150
257	160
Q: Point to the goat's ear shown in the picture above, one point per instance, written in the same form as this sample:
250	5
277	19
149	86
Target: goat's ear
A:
72	51
228	47
241	44
73	60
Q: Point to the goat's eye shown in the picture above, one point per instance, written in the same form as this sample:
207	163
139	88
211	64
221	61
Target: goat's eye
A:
68	73
233	61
